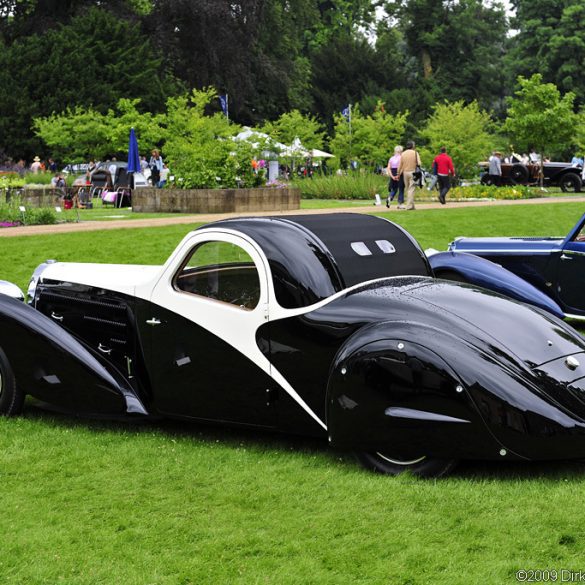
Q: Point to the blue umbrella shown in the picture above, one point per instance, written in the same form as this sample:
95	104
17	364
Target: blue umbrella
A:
133	158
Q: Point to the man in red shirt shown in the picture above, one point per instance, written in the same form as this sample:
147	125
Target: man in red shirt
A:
445	170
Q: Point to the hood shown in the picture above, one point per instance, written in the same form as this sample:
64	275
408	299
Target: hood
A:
508	246
122	278
528	333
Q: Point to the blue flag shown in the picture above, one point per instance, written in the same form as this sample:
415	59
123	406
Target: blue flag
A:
223	100
346	112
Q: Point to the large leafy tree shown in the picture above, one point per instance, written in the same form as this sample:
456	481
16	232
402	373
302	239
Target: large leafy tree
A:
465	130
344	71
80	134
293	125
550	41
94	60
370	139
540	117
456	48
216	44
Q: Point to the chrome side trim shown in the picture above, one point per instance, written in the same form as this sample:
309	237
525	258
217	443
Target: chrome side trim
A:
577	317
421	415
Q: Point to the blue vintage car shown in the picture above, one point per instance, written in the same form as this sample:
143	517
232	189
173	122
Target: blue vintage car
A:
548	272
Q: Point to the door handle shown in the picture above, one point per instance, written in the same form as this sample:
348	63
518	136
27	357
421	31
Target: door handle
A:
56	317
565	257
154	321
104	349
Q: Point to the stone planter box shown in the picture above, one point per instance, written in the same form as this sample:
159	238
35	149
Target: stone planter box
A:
35	197
147	200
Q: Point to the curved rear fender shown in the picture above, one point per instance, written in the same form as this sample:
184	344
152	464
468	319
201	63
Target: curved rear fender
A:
390	391
482	272
51	365
411	389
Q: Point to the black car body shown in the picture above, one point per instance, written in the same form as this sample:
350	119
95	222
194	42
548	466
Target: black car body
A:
330	326
554	265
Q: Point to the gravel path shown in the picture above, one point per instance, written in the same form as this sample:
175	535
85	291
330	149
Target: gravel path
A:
34	230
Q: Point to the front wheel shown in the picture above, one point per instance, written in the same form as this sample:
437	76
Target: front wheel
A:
391	464
11	398
570	183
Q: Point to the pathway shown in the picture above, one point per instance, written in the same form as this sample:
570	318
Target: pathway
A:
35	230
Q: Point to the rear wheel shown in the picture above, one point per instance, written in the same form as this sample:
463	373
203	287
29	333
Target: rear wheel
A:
393	464
519	173
11	398
570	183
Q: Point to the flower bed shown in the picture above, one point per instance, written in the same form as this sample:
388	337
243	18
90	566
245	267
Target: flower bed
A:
492	192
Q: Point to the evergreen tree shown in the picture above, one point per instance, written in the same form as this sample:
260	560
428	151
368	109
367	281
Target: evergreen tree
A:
95	60
551	41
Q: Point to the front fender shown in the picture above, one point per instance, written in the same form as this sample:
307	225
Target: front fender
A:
482	272
52	365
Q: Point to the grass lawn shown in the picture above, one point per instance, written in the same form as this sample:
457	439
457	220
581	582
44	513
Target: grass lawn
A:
86	502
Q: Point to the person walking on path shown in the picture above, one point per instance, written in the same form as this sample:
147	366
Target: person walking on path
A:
396	184
445	170
409	160
495	169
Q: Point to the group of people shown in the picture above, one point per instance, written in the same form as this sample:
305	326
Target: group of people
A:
404	170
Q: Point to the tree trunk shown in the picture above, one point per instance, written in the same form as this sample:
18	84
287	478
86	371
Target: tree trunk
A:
426	63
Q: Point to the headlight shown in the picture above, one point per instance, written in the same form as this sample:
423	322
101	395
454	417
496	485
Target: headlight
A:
11	290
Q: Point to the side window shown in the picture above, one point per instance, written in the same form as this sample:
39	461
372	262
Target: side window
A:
580	237
220	271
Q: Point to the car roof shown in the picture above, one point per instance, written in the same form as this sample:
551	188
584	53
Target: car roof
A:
319	255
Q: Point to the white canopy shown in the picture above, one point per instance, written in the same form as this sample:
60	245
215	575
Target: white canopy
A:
254	138
316	153
296	149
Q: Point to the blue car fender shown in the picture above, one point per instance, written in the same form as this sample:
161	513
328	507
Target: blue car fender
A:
481	272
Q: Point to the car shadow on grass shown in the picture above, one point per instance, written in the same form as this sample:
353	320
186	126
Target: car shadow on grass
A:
262	440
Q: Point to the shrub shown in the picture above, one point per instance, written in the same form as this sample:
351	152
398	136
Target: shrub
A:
351	186
10	181
10	213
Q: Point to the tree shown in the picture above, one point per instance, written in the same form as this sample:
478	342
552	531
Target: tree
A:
550	41
455	48
293	125
344	70
579	139
200	149
93	61
79	134
371	138
22	18
464	130
540	117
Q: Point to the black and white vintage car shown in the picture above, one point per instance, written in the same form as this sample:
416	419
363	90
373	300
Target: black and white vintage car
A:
330	326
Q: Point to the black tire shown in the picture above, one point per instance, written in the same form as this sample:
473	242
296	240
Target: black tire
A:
519	173
427	467
486	180
11	398
451	275
570	183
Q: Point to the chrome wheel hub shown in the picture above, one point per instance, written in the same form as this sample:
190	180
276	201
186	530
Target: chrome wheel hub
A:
399	461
